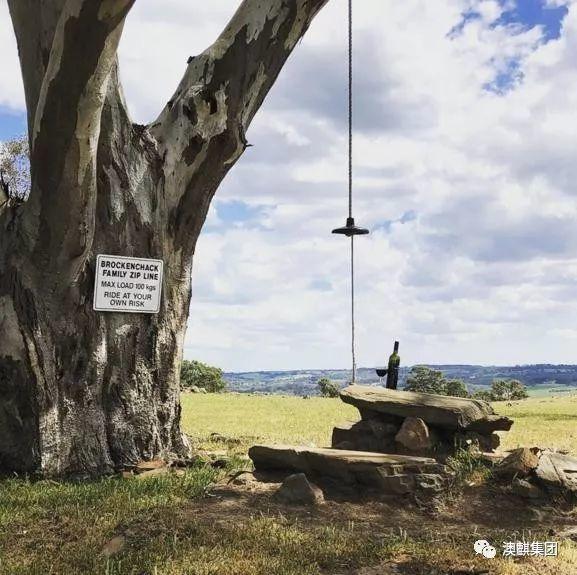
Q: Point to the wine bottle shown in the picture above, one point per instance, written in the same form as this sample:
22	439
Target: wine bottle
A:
393	368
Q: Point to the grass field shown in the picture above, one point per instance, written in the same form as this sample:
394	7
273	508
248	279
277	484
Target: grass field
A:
181	525
546	422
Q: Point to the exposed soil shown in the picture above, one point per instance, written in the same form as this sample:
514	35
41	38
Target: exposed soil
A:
459	519
483	506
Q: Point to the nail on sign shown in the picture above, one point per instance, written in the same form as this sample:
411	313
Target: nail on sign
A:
129	285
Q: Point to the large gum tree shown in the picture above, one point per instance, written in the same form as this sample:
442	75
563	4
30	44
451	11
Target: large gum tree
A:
88	392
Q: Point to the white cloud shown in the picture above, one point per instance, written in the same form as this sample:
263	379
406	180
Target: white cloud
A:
11	90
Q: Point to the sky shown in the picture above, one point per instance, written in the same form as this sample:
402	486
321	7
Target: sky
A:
465	173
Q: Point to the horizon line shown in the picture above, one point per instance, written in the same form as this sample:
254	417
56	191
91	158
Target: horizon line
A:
410	366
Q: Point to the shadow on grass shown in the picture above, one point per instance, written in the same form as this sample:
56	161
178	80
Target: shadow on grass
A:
173	525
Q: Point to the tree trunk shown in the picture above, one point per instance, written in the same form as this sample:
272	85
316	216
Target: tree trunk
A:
88	392
84	391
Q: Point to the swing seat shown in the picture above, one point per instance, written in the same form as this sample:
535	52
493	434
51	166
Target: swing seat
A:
350	229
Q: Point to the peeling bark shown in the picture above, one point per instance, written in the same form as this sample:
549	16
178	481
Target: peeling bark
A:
87	392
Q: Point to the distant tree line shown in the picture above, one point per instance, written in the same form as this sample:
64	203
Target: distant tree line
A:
426	380
198	376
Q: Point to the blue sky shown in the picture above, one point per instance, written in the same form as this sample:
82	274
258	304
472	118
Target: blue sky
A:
526	13
518	15
536	13
230	213
464	172
12	123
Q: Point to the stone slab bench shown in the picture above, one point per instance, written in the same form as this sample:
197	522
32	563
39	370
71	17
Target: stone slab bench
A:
454	413
387	473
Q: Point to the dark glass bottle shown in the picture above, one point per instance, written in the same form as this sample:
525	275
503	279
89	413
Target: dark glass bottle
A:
393	368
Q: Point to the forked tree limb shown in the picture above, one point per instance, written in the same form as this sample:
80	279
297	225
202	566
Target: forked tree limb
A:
200	133
244	61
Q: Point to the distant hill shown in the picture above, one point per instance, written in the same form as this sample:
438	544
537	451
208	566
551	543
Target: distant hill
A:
303	382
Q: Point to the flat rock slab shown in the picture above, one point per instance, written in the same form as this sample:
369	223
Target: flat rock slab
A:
438	410
558	472
348	467
144	466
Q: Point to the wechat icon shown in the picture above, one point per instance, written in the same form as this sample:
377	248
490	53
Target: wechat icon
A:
483	547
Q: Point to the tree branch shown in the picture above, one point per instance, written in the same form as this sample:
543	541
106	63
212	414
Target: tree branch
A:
34	23
67	122
206	120
246	58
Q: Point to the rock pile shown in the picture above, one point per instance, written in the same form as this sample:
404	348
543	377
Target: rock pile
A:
534	473
402	422
396	447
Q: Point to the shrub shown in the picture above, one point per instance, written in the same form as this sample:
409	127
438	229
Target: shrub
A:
508	390
196	373
468	467
328	388
484	395
456	388
504	390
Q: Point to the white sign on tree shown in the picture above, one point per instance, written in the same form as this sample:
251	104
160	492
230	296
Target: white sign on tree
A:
130	285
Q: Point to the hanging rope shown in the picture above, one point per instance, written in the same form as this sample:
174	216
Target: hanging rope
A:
353	352
350	230
353	379
351	109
